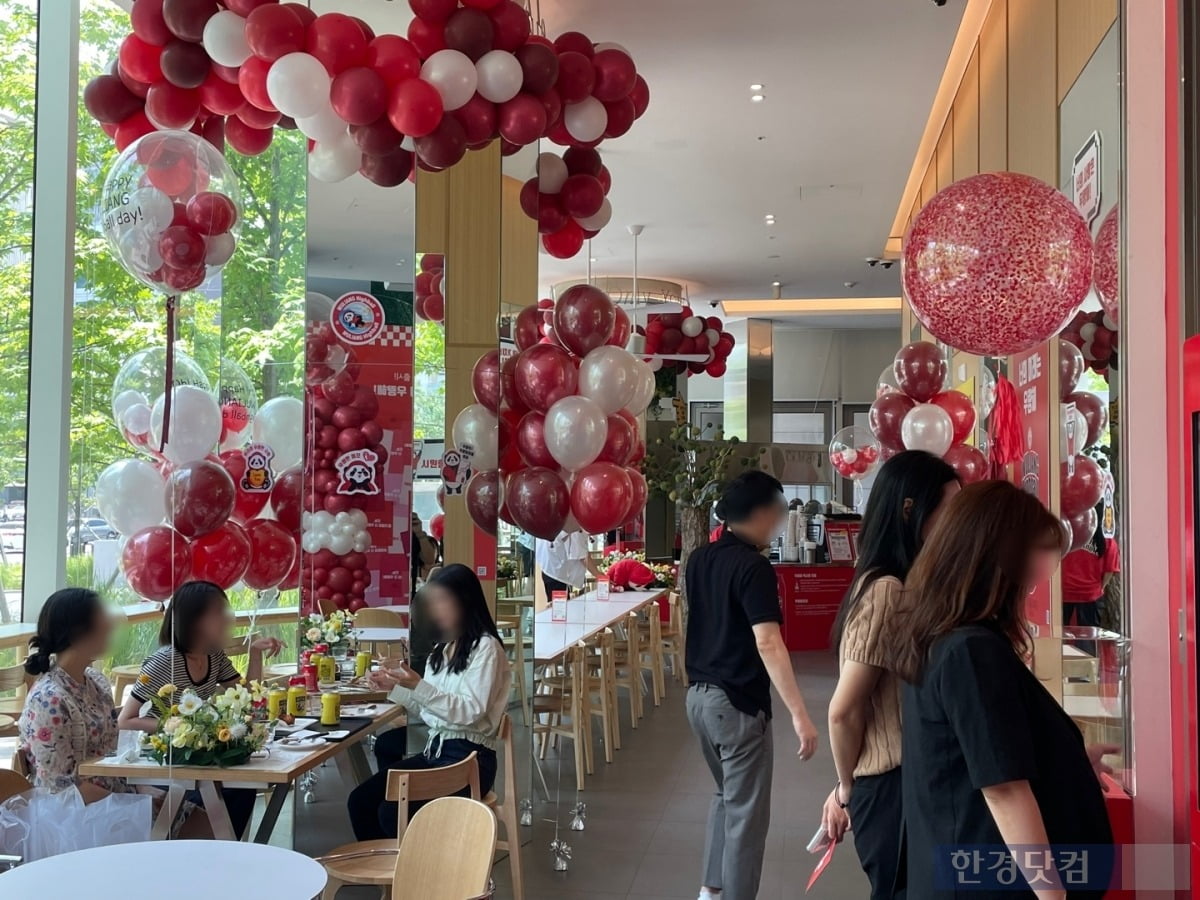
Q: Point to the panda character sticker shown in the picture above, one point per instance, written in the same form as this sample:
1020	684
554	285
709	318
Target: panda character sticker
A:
257	477
356	472
456	469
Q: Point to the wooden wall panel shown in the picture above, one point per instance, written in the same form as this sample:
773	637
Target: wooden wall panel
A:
929	184
519	249
433	191
966	122
1032	89
993	89
945	154
1082	25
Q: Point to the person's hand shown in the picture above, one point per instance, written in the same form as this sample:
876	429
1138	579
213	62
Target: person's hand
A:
381	679
267	646
1096	754
834	819
806	732
404	676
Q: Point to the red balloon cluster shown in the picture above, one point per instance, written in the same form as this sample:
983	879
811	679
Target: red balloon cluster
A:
921	414
568	199
685	334
1095	334
463	75
429	303
213	533
854	461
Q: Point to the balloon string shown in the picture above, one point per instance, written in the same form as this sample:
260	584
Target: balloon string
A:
169	375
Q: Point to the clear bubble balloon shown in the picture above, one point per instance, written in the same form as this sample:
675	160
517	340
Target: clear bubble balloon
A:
854	452
141	380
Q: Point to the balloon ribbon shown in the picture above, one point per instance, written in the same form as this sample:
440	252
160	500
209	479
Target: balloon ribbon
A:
169	374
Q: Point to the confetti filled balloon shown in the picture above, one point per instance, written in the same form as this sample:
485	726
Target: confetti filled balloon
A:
854	452
1108	263
997	263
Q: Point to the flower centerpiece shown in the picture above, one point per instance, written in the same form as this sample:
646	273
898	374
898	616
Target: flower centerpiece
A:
506	567
664	573
221	731
334	630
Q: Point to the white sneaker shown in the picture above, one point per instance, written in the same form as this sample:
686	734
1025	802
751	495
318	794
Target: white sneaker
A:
706	894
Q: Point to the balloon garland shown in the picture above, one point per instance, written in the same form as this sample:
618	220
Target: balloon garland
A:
568	198
429	303
463	76
1095	334
684	333
921	413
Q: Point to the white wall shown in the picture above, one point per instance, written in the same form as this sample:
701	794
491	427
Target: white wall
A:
819	364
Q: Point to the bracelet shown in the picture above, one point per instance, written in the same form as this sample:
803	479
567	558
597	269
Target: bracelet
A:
837	797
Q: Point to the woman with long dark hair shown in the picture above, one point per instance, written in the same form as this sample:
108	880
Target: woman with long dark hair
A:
990	758
864	714
462	698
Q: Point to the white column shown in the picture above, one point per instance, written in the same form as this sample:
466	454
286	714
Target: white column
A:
48	448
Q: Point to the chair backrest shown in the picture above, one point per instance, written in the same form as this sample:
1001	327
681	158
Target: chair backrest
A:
405	786
12	783
20	763
676	609
447	853
326	606
510	765
378	618
13	678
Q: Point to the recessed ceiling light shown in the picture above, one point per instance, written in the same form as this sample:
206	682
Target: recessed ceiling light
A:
756	87
757	98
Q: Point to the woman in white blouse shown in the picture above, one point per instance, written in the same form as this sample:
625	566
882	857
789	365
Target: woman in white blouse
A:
461	699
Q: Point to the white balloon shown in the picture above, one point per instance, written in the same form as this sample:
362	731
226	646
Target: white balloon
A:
643	391
362	542
655	365
323	125
335	160
551	173
341	544
136	419
317	307
586	120
575	430
454	76
599	220
310	542
298	85
927	427
607	376
157	210
499	76
195	424
359	518
126	399
476	425
692	326
218	249
224	39
280	425
612	45
129	495
321	520
713	336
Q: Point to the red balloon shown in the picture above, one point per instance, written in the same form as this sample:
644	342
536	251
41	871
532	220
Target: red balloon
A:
210	213
147	20
508	385
246	140
273	551
621	329
1094	412
581	196
469	31
156	561
437	526
433	10
1081	489
521	120
485	380
510	25
543	375
359	95
140	60
640	95
641	492
478	119
920	370
576	42
601	497
553	105
287	498
291	580
564	243
538	502
584	319
200	497
416	107
378	138
171	106
434	308
252	79
539	66
426	37
576	77
1071	366
1082	527
394	58
274	30
530	439
221	556
186	18
527	327
482	495
480	4
338	41
219	96
618	445
247	504
181	247
886	415
109	100
620	119
615	75
389	170
970	464
960	409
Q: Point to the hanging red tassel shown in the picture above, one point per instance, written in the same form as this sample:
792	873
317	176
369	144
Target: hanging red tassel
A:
1007	438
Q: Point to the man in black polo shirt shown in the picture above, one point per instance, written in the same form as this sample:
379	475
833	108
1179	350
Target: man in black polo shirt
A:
735	652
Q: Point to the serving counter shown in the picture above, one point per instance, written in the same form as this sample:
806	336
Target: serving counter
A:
810	596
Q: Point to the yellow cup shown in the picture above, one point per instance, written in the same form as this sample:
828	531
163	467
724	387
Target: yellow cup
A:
362	664
331	709
297	699
276	702
327	670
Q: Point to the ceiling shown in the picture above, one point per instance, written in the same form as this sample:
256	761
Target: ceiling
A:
848	87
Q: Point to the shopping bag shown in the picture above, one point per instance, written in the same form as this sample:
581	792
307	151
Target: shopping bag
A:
38	823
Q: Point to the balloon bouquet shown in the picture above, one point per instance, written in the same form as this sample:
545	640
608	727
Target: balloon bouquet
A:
429	301
1082	479
921	413
565	409
375	104
568	198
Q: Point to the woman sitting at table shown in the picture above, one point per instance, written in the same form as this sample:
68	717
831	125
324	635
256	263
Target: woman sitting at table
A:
196	627
461	698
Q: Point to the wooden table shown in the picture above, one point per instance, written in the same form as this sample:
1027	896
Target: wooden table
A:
586	617
276	773
182	870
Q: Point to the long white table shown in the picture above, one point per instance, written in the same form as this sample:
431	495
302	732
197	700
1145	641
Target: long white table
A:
586	617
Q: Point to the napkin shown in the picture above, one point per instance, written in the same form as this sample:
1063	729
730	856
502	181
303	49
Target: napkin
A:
284	728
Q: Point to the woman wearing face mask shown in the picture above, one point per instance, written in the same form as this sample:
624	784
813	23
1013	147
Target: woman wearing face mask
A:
909	493
989	757
462	698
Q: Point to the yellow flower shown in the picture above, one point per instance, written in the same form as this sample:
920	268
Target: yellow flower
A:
166	690
175	709
224	736
143	678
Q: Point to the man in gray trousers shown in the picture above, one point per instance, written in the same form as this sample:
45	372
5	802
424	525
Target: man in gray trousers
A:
735	652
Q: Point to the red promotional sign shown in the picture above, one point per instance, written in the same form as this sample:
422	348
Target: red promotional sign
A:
1031	375
810	596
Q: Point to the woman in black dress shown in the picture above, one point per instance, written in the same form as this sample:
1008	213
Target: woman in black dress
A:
990	759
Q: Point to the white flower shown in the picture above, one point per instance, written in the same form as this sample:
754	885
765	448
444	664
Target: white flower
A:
146	710
313	634
238	731
172	724
189	703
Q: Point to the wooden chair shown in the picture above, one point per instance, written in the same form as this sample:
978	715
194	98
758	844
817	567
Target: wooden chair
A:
600	688
650	649
381	618
559	711
505	809
20	764
447	853
374	862
14	678
12	783
628	659
513	638
674	639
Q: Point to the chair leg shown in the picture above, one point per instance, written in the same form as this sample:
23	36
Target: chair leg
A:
332	886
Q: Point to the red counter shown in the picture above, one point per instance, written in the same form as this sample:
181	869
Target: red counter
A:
810	596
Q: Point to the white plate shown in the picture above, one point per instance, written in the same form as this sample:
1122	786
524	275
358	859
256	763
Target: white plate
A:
301	746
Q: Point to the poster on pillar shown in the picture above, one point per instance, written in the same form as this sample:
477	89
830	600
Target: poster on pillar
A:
359	456
1032	375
